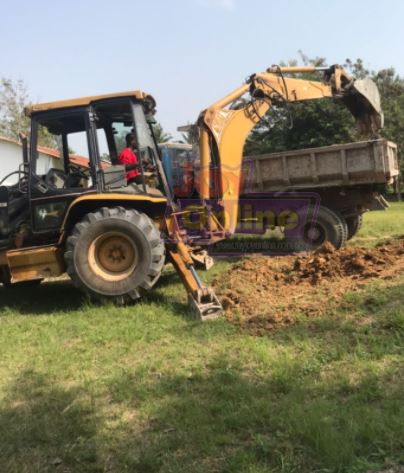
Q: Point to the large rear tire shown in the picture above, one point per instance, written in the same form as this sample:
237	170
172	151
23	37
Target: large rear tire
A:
354	224
327	226
115	254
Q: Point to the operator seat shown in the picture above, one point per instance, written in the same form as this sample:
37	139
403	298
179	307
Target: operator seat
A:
17	206
55	178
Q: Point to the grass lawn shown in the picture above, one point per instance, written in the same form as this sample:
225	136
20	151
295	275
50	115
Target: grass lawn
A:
146	388
381	225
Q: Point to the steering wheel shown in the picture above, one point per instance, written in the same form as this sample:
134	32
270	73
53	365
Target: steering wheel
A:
146	159
77	171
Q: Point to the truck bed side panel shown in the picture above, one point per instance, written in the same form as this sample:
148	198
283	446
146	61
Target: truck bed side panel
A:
365	162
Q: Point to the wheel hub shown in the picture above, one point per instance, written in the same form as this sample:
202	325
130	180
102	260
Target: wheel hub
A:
314	234
113	256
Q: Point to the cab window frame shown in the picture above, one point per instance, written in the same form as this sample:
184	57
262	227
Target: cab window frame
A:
36	120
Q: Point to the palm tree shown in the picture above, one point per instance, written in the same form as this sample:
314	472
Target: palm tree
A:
191	135
160	135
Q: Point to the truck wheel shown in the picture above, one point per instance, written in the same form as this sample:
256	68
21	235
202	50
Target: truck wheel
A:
328	226
115	254
354	224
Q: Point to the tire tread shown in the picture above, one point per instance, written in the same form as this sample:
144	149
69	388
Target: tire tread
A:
140	220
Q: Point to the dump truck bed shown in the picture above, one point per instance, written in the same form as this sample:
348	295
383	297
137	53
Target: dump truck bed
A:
364	162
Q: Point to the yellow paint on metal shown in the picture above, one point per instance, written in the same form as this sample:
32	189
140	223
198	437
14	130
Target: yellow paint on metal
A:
116	196
292	69
230	134
186	275
230	98
204	177
230	128
296	89
83	101
109	198
35	263
3	258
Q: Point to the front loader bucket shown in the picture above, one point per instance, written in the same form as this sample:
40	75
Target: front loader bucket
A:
363	101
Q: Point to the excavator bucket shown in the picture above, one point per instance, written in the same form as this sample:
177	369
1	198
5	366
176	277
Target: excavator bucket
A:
205	305
370	93
363	101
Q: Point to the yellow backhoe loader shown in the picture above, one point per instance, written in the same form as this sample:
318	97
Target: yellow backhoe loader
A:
112	238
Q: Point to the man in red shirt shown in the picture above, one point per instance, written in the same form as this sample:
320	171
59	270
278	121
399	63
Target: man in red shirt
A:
128	158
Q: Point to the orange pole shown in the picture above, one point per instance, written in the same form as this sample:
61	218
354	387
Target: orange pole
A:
204	176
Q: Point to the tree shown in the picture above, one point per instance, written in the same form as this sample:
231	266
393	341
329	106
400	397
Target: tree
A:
391	87
190	137
160	135
13	100
187	138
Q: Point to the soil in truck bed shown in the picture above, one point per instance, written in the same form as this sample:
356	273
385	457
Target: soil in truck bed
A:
261	294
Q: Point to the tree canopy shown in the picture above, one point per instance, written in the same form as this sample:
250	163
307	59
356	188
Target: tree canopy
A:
13	121
13	99
160	135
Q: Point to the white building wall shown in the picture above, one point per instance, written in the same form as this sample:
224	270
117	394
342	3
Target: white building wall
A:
11	158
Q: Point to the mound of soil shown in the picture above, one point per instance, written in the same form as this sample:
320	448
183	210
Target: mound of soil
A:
327	262
263	293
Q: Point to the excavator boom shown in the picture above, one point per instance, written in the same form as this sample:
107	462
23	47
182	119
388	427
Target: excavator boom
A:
225	125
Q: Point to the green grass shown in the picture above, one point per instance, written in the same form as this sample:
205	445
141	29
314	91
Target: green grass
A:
380	225
86	388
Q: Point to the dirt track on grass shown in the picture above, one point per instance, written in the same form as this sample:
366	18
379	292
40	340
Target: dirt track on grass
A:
264	293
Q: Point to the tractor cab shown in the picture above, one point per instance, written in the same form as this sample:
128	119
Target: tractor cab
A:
86	136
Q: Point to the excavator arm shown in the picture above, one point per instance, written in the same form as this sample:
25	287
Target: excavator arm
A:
223	130
225	125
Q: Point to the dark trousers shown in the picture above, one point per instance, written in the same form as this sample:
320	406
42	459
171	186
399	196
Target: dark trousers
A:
136	180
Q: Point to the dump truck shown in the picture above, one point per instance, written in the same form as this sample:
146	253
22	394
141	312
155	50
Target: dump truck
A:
113	237
348	178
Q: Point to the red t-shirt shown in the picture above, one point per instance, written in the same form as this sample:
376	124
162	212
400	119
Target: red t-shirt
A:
127	156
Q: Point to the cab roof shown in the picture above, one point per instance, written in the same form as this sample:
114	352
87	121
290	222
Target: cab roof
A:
147	99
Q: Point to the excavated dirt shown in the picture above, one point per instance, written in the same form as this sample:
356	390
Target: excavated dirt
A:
263	293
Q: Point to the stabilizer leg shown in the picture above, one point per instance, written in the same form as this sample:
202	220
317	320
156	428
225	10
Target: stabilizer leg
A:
202	300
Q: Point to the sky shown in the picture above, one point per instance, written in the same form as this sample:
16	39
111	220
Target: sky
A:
186	53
